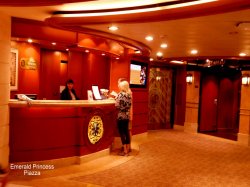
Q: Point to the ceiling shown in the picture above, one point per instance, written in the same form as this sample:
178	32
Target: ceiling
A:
216	29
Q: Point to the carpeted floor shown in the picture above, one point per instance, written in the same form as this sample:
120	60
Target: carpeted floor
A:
165	158
173	158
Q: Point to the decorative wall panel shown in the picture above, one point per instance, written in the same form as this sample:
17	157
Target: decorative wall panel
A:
160	93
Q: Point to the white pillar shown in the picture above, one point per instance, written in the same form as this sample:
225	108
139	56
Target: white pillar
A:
5	38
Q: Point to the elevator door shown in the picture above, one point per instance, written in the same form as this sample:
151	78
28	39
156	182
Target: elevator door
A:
209	100
219	109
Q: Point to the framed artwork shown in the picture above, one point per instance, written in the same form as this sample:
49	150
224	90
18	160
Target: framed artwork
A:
14	70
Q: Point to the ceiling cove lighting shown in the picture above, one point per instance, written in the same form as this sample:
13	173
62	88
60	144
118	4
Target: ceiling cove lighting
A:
113	28
149	38
117	5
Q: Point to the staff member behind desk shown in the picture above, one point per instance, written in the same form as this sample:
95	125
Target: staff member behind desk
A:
69	92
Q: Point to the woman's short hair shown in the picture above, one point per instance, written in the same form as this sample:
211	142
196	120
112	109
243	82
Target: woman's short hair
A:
124	86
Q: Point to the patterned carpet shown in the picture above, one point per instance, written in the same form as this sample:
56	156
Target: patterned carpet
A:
173	158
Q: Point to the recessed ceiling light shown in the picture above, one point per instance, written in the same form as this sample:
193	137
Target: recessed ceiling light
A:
194	51
86	51
149	38
30	40
67	49
164	45
53	43
113	28
103	54
117	58
159	54
151	59
242	54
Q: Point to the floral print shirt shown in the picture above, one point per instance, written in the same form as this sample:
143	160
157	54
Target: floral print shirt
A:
123	103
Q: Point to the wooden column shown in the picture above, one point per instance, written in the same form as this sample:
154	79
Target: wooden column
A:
192	103
5	35
244	124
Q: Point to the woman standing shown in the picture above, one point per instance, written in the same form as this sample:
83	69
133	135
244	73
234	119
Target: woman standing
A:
69	92
123	104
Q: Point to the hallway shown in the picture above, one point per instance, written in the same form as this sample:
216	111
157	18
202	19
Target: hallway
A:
163	158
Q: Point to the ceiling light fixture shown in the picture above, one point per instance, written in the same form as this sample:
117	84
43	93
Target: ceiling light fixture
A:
189	78
86	51
164	45
245	79
113	28
194	51
30	40
149	38
53	43
159	54
243	54
151	59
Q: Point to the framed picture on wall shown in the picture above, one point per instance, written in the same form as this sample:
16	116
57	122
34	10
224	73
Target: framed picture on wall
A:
14	70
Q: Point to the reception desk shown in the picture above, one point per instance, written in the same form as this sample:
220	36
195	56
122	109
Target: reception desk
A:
53	129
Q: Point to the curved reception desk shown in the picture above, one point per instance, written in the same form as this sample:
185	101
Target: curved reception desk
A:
53	129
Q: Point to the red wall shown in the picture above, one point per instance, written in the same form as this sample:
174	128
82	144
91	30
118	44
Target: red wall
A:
28	80
50	74
96	70
140	111
75	71
119	69
87	69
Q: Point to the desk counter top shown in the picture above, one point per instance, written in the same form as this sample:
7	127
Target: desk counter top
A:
60	103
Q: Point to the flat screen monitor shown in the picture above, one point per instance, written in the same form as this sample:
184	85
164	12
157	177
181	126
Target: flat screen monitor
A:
96	92
138	74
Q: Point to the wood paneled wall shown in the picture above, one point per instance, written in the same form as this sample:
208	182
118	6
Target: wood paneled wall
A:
28	79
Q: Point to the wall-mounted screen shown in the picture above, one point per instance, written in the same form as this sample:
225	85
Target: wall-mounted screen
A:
138	74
